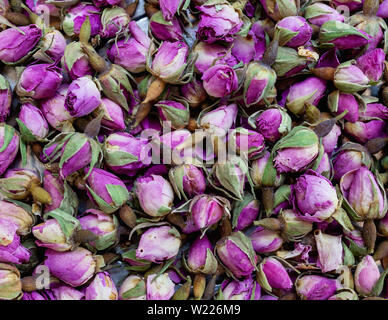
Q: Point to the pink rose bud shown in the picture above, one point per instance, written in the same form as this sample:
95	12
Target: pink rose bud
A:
187	180
264	241
276	275
366	275
219	120
245	212
169	8
64	292
209	53
160	287
194	93
49	234
17	215
11	285
75	17
113	118
15	45
218	22
11	250
247	289
159	244
39	81
200	257
131	53
101	288
293	31
329	251
53	46
5	98
318	13
220	81
372	64
330	140
312	287
363	131
236	254
173	113
113	20
350	78
34	121
133	288
72	267
82	97
125	154
273	8
76	61
339	101
165	30
314	197
54	109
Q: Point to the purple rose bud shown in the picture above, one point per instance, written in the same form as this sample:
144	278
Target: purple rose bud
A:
263	167
292	157
54	109
273	124
131	53
349	157
366	130
39	81
132	288
245	212
236	254
11	286
324	166
259	82
72	267
277	10
75	17
9	148
351	4
5	98
372	64
308	91
275	274
155	195
375	110
173	113
169	8
312	287
220	81
11	250
106	190
200	257
342	35
101	288
76	61
125	154
314	197
165	30
159	244
367	200
293	31
49	234
187	180
350	78
319	13
366	275
194	93
218	22
113	118
33	119
264	241
219	120
64	292
113	20
252	46
204	211
170	60
246	141
103	225
207	54
339	101
383	9
330	140
36	6
53	46
247	289
54	186
160	287
82	97
39	295
329	251
15	45
15	214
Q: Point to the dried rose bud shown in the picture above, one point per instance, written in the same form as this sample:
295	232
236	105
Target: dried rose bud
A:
200	257
245	212
339	101
312	287
278	9
366	275
64	292
263	172
173	113
187	180
53	46
363	131
113	20
160	287
265	241
49	234
293	31
159	244
155	195
372	64
165	30
17	215
39	81
218	121
350	78
274	275
75	17
11	250
72	267
5	98
247	289
32	123
11	286
329	251
133	288
76	62
318	13
101	288
220	80
113	115
288	62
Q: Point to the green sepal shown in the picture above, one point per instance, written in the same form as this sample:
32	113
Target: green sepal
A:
332	30
298	137
356	250
348	259
138	291
285	35
286	60
282	194
176	179
70	201
158	18
119	194
105	241
8	136
67	222
25	133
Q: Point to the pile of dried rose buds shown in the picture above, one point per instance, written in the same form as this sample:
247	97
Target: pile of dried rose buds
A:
193	150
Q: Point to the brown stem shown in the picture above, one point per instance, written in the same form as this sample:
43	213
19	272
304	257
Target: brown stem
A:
199	286
209	290
29	284
369	235
39	194
268	199
128	216
154	91
370	7
96	61
17	18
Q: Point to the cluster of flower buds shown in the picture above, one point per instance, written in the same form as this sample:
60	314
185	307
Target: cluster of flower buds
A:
193	150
